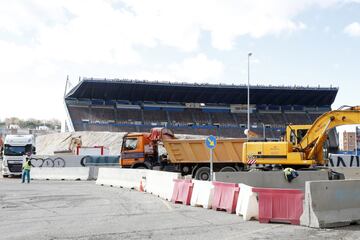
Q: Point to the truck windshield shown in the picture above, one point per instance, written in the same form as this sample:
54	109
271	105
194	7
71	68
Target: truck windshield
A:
130	144
16	150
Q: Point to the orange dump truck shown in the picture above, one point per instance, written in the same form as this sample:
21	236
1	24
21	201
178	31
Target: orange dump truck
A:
188	156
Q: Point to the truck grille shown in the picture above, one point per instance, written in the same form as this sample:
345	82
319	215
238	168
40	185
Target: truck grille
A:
15	167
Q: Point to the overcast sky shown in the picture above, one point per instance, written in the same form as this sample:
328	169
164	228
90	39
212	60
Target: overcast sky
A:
302	42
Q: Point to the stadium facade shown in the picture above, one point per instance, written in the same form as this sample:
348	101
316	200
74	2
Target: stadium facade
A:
131	105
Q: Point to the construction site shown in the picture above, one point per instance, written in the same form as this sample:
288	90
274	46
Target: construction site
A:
156	160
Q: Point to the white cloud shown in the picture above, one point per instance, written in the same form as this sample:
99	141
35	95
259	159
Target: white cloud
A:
336	65
198	69
353	29
327	29
184	20
42	41
110	32
195	69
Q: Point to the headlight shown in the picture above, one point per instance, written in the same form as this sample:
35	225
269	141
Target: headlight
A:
5	163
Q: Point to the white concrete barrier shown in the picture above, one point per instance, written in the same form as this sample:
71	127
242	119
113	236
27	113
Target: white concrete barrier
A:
120	177
271	179
331	203
247	205
66	173
57	160
202	194
64	160
161	183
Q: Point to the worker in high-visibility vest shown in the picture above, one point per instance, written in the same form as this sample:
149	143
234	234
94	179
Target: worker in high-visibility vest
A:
290	174
26	170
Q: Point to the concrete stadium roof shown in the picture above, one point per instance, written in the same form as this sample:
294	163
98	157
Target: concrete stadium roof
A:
135	90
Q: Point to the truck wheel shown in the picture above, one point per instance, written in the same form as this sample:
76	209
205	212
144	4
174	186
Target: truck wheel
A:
5	176
203	173
228	169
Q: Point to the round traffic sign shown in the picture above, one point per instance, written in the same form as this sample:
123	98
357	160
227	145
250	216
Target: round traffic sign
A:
210	142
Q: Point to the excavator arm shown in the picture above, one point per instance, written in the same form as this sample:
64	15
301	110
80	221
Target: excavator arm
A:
313	141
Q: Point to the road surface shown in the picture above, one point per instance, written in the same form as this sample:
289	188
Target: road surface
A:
83	210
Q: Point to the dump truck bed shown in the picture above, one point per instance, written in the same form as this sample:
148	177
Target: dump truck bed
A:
195	150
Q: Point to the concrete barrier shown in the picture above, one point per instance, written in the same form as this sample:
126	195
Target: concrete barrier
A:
93	172
120	177
331	203
271	179
66	173
350	173
65	160
247	205
161	183
202	194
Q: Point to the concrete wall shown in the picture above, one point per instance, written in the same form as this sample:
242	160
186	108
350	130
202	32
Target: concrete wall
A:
331	203
271	179
64	160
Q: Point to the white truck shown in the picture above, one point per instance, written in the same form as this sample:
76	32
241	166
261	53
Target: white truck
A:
15	148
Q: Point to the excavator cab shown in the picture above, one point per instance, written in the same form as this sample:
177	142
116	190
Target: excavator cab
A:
295	133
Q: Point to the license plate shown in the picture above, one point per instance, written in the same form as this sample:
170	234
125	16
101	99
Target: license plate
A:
14	161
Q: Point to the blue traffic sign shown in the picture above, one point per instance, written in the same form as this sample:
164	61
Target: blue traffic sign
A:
210	142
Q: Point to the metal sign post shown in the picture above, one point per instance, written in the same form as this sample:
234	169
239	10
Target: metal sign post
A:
211	165
210	142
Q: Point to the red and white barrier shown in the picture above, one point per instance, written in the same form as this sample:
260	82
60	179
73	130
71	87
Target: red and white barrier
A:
280	205
182	191
247	205
264	204
225	196
202	194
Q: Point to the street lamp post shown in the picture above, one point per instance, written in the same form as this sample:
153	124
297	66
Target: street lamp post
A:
356	141
248	97
264	133
217	127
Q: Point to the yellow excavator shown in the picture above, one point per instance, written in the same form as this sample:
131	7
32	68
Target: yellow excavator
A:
303	145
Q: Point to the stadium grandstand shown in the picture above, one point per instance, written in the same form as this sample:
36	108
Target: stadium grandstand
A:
201	109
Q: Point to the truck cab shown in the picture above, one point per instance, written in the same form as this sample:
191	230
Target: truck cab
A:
138	151
14	150
141	150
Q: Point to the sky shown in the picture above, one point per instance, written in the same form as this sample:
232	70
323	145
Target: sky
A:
294	43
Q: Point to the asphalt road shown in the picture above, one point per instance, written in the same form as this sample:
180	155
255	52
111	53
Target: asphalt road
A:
83	210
